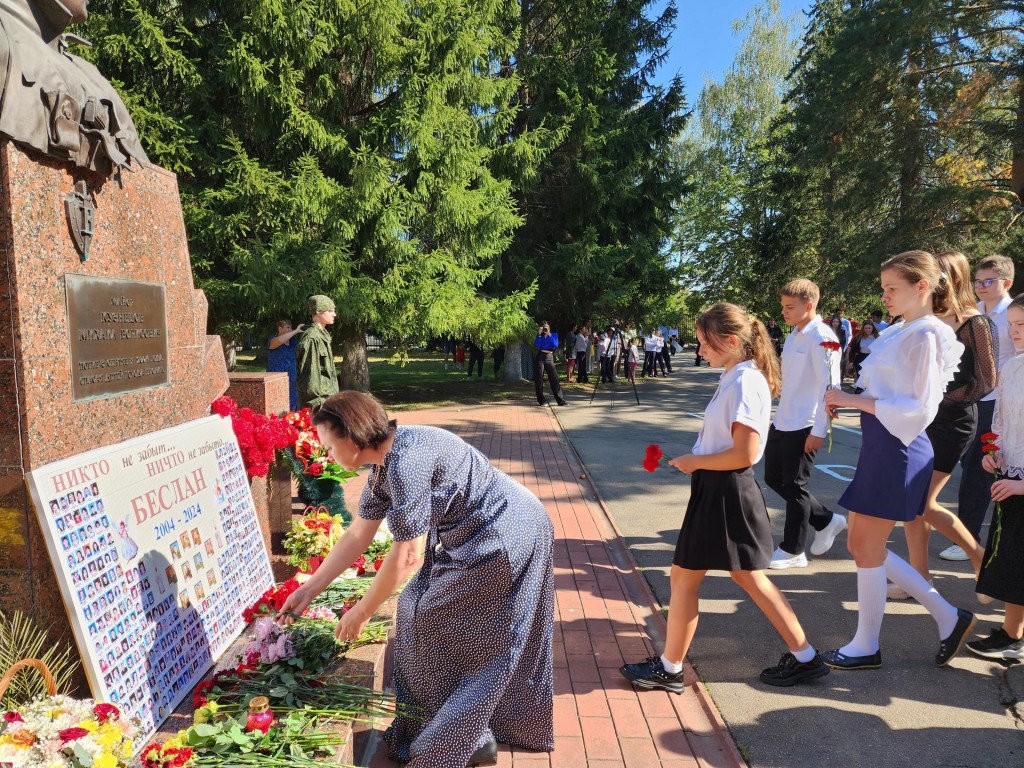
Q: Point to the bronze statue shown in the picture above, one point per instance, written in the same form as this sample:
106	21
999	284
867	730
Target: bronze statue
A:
54	102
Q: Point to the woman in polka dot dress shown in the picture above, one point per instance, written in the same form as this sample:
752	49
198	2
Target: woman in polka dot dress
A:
473	631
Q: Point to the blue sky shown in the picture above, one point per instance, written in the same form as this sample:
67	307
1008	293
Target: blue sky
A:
704	43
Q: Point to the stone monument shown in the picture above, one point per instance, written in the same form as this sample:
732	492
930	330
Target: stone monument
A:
102	332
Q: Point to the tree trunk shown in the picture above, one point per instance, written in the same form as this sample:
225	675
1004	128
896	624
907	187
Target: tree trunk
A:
230	352
353	370
1017	162
513	362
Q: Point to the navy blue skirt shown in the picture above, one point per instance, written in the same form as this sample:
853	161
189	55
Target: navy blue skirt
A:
892	479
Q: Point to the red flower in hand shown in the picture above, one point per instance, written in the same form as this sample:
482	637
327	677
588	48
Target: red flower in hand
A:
989	437
653	457
832	346
315	469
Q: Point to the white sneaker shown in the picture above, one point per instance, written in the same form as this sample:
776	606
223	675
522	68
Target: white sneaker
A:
954	553
893	592
782	560
826	537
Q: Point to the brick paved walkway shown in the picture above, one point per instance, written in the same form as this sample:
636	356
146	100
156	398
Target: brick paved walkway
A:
604	612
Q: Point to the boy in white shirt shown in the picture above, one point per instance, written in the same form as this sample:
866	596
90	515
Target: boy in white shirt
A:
993	278
800	426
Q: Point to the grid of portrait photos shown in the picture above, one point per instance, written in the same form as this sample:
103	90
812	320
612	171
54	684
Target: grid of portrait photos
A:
156	617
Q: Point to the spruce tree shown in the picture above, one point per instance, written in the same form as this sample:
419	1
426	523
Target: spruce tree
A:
325	147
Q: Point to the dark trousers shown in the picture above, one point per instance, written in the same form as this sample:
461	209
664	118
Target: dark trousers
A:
975	483
476	357
582	377
545	361
606	369
786	471
666	358
649	364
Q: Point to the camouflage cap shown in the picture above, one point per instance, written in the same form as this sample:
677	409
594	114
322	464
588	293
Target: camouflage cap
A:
320	303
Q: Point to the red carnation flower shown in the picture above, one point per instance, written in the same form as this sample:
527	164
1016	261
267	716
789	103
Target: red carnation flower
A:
654	452
224	406
989	437
71	734
990	448
315	469
106	712
13	717
650	464
832	346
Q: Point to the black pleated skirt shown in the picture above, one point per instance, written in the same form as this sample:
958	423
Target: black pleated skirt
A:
726	527
1003	576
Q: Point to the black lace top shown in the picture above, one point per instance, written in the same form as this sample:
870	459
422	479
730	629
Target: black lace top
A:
978	371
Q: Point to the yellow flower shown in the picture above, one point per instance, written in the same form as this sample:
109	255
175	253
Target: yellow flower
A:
104	760
90	725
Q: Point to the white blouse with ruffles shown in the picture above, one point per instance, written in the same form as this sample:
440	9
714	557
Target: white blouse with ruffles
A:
907	372
1008	420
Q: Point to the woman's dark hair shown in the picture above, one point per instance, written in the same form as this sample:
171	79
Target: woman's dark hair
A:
357	416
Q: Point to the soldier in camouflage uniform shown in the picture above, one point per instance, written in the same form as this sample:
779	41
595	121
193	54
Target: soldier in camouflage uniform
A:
317	377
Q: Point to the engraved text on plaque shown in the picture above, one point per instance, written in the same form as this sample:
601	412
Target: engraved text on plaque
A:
118	335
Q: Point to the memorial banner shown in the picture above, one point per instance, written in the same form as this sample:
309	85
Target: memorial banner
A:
157	551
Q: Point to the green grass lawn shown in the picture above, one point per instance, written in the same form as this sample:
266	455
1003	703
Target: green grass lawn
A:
423	382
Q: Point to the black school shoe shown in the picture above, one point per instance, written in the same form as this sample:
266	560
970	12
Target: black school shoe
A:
789	671
949	647
485	755
651	673
838	660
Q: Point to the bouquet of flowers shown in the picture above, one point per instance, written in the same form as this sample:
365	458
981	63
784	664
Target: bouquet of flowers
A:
171	754
61	732
380	546
319	479
259	436
312	537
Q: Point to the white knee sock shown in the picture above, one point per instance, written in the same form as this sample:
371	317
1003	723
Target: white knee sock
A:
903	575
870	610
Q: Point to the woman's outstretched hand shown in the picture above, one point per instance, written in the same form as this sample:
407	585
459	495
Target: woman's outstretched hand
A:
352	623
295	605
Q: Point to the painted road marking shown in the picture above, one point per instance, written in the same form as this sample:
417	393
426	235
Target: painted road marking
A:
829	469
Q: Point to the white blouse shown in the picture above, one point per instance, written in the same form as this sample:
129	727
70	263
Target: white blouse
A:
907	372
743	395
1008	420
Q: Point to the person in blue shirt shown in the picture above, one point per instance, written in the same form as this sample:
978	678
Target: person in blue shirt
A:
281	357
546	343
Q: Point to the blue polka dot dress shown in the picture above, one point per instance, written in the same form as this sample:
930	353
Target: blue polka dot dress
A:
473	630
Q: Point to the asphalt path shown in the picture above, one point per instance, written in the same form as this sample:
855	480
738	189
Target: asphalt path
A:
908	712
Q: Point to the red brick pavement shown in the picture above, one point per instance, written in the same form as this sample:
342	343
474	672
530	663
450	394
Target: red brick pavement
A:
604	612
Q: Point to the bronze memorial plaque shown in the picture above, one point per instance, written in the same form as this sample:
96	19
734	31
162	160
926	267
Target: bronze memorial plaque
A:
118	335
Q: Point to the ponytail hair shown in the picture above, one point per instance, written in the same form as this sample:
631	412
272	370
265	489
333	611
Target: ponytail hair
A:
957	271
915	266
723	319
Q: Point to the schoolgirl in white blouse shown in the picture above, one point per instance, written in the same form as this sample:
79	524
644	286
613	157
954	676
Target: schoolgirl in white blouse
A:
903	379
726	525
1002	575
